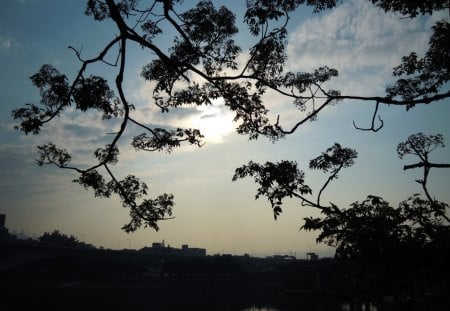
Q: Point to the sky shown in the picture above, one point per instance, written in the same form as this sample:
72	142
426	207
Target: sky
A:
211	211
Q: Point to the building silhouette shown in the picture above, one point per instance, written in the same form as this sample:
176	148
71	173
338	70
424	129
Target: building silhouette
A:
312	256
160	248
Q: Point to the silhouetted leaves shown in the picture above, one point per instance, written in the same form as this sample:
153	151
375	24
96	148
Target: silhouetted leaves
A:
261	12
301	81
420	145
364	230
50	154
373	227
207	25
31	117
54	91
424	76
53	87
93	92
250	111
334	159
150	29
131	190
130	187
94	180
98	9
283	179
165	140
57	239
276	181
149	212
268	56
56	94
193	94
109	154
412	7
164	75
428	220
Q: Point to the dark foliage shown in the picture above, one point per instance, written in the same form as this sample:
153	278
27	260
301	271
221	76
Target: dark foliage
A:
412	8
276	181
373	228
421	77
58	239
373	236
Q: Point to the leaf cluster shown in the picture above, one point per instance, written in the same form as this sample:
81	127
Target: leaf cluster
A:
420	145
261	12
421	77
51	154
165	140
283	179
56	94
412	8
334	159
58	239
276	181
147	213
371	228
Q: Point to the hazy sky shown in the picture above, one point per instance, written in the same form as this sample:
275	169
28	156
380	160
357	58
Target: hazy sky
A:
211	211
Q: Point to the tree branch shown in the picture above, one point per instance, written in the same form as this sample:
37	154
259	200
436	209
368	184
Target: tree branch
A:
309	117
421	164
390	101
333	176
372	127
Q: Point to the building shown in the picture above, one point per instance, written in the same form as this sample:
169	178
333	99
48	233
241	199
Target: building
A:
312	256
161	249
186	250
2	220
3	231
5	236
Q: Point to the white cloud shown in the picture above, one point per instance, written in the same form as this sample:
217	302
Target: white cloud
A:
6	43
360	40
214	121
79	133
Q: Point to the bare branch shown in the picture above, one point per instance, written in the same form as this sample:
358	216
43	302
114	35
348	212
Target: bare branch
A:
421	164
372	127
309	117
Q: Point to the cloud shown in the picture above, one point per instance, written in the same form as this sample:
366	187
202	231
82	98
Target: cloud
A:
360	40
214	121
6	43
21	175
27	1
79	133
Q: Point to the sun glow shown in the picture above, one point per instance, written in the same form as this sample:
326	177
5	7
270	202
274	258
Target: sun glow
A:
214	121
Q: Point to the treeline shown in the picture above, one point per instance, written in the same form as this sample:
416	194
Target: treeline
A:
58	239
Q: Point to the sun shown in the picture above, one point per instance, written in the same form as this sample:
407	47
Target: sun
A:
214	121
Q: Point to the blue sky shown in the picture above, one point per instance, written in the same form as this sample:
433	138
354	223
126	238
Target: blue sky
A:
362	42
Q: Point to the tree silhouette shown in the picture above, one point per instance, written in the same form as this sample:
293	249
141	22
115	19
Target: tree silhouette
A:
421	145
204	47
351	230
372	234
333	160
58	239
